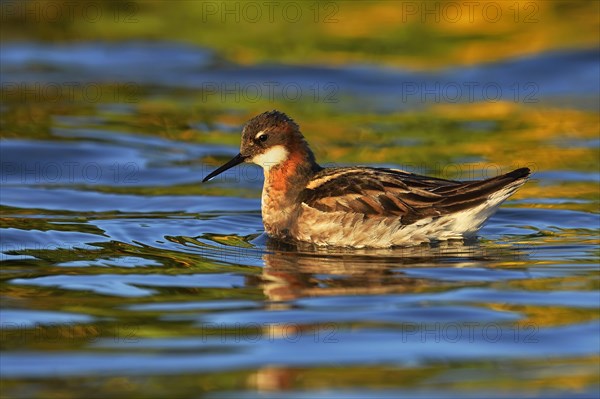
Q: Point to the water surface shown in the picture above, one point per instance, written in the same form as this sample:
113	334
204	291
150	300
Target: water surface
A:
122	275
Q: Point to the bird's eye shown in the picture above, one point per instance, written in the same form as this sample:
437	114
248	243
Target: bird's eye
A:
263	138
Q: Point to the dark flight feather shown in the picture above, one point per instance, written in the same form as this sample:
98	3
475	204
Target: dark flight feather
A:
381	192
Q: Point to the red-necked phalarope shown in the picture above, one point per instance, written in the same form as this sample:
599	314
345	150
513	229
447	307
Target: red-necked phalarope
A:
359	206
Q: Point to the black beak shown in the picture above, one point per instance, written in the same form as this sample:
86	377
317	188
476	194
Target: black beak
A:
238	159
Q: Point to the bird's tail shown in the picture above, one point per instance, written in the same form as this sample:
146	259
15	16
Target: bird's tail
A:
472	203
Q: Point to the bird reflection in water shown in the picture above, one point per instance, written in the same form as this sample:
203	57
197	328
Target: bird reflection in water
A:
293	271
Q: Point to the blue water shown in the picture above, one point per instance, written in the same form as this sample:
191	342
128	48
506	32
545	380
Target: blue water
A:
123	275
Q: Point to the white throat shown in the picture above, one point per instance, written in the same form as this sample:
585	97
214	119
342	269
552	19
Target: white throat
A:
272	157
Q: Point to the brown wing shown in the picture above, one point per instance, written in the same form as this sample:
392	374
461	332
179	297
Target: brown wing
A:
389	192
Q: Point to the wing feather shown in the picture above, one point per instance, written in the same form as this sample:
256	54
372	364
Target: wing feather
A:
379	192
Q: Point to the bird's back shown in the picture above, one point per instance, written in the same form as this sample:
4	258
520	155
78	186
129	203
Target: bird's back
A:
380	207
